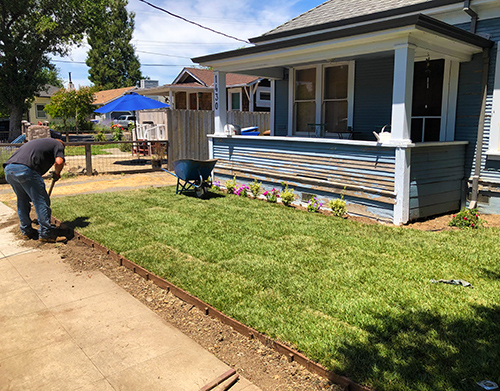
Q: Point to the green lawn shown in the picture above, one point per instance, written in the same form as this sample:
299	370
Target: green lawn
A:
356	298
96	150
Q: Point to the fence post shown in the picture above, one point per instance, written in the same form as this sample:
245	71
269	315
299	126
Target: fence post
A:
88	159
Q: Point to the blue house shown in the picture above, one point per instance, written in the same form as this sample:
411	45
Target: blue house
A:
394	103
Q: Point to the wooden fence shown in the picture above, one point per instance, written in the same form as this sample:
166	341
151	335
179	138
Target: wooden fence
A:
187	130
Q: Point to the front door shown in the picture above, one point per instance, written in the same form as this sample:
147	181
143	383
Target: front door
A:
427	101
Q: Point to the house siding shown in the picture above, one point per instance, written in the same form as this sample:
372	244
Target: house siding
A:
441	189
372	95
468	112
364	174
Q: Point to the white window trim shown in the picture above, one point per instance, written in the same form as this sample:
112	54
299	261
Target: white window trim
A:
494	143
319	94
230	92
263	102
44	116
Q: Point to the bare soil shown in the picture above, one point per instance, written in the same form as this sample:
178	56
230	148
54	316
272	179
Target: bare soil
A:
261	365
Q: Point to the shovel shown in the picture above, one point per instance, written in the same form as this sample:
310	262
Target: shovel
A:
35	221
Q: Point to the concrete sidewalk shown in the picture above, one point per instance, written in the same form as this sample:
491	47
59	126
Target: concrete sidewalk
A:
63	330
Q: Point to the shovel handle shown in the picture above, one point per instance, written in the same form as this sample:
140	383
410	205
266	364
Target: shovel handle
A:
52	186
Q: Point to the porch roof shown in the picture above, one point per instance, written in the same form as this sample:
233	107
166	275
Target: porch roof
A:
426	33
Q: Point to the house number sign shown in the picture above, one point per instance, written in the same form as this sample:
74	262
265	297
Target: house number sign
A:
216	90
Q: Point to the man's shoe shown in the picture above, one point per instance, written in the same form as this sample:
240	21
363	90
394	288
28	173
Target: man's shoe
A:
54	239
30	235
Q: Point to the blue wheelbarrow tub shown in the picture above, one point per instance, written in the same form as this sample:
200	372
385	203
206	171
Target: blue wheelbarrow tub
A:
191	170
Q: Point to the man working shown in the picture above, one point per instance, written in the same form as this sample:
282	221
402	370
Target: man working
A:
23	171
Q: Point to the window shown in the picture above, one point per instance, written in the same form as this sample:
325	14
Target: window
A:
335	102
305	99
322	100
263	96
235	99
39	111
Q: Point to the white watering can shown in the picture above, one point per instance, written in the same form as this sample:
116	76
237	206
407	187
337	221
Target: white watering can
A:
383	136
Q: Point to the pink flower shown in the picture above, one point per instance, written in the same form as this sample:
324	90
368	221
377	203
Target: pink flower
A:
465	218
473	224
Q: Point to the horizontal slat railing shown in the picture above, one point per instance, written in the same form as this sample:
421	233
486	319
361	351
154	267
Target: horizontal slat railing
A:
356	170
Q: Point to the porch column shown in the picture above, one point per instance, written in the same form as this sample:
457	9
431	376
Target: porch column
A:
220	102
171	99
404	58
402	91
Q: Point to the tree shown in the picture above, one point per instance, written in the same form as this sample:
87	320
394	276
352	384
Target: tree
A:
30	30
112	59
75	104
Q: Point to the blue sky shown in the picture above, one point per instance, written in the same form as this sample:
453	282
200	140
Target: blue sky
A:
165	44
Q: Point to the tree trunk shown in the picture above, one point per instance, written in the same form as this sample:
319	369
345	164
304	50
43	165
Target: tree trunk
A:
16	115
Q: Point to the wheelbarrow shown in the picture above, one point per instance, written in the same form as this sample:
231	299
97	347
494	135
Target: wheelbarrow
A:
192	175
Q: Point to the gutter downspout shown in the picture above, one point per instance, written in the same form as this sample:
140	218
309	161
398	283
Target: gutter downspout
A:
480	131
473	14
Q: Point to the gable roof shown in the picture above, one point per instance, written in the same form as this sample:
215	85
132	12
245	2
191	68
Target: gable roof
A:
336	13
103	97
205	77
47	91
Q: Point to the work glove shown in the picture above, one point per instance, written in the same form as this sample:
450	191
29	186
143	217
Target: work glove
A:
55	176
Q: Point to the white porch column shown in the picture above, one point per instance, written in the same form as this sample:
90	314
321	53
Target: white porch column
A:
402	91
404	58
171	99
220	102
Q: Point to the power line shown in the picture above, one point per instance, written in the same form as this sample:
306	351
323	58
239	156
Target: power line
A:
189	21
142	65
161	54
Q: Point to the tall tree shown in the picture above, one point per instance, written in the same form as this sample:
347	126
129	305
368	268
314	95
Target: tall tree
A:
30	30
112	59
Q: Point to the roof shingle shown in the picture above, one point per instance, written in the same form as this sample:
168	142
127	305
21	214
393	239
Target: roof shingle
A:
333	11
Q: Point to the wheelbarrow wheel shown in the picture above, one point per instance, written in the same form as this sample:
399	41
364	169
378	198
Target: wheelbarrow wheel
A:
201	191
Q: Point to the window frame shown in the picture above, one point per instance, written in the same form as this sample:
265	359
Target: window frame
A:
230	93
319	96
38	111
263	102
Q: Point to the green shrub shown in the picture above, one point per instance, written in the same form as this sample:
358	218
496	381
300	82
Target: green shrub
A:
100	136
338	206
287	196
125	147
5	154
231	185
255	187
466	218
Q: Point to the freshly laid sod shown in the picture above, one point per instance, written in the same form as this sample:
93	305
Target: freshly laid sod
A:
356	298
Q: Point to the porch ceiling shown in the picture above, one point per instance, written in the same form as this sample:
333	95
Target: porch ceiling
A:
428	35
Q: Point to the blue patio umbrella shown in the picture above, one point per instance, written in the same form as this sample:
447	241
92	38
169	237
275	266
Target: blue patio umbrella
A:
131	102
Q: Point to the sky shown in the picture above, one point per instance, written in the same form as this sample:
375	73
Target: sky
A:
165	44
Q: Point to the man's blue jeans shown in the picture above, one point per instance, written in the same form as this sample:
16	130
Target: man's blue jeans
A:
29	186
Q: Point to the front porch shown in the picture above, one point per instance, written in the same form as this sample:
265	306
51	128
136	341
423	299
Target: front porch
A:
401	72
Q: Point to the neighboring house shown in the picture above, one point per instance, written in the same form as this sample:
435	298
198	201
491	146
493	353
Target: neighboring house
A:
347	68
102	98
193	89
36	112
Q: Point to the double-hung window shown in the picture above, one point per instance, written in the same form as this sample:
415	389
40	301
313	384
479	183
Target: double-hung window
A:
322	100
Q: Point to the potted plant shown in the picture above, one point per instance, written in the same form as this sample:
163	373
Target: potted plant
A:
157	154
